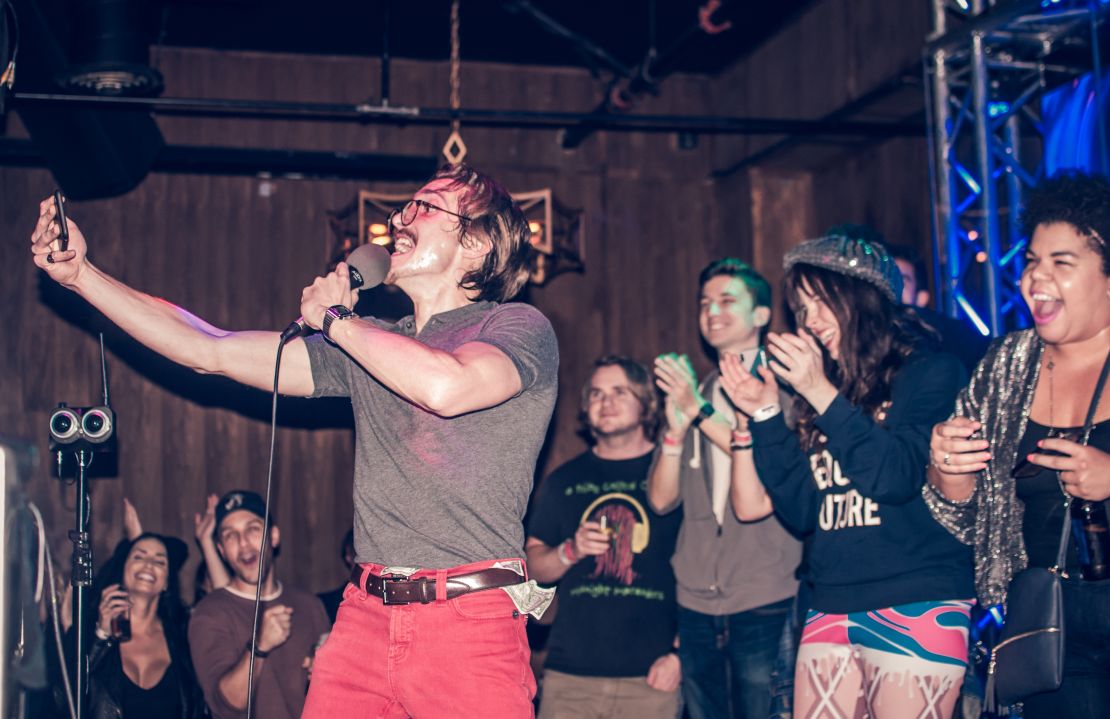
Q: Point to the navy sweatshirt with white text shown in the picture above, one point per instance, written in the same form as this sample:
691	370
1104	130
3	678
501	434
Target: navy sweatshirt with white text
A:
875	544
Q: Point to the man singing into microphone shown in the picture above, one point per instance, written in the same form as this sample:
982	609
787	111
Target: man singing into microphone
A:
451	406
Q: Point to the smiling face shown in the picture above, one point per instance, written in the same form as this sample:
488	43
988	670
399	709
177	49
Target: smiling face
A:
430	246
728	317
239	539
147	568
819	320
612	407
1064	286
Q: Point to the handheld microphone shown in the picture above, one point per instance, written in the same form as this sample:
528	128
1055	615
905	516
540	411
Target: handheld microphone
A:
368	264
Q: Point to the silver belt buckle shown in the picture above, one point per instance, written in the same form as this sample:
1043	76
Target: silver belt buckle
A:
394	580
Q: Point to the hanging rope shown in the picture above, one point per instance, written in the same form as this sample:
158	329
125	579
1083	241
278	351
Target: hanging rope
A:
455	149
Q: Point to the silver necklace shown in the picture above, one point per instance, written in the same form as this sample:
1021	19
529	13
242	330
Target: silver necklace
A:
1050	365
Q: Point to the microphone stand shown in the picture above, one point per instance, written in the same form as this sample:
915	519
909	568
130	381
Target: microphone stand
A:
82	577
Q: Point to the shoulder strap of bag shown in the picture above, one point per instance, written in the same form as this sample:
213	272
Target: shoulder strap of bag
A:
1061	553
1089	422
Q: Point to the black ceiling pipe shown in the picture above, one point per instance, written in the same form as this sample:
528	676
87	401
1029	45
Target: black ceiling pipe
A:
475	117
256	162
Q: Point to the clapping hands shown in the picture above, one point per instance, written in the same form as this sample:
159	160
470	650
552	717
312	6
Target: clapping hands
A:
675	376
746	391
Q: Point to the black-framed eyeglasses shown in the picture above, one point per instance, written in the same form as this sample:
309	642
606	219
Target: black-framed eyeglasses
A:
407	214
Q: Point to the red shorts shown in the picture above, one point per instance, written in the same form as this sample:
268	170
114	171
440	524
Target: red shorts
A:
462	657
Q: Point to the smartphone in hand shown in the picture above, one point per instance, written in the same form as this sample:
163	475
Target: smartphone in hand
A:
1026	469
60	218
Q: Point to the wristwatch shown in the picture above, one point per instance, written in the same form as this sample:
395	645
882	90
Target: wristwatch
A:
334	314
704	413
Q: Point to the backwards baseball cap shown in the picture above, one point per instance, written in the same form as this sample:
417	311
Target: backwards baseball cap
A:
852	256
238	499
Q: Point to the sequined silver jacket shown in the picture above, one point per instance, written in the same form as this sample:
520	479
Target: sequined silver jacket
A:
999	396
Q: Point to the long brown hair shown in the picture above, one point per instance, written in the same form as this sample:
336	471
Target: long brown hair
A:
876	337
496	217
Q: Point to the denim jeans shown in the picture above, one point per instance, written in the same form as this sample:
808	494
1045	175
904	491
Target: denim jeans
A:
1085	691
782	675
727	660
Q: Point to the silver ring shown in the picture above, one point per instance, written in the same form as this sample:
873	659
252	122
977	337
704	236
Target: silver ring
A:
946	459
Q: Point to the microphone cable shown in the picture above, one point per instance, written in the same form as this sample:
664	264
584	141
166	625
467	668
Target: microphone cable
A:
368	265
265	530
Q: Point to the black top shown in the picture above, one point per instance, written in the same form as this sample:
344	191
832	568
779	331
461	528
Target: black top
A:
1044	500
874	543
956	336
616	611
161	700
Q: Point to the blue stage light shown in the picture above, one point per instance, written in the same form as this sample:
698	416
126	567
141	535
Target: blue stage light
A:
995	109
972	314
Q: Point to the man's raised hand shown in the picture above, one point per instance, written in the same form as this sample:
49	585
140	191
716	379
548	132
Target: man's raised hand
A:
63	267
332	289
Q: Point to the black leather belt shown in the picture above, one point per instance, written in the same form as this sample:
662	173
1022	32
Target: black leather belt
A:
403	590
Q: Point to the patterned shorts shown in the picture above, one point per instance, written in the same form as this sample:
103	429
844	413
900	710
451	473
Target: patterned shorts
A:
904	661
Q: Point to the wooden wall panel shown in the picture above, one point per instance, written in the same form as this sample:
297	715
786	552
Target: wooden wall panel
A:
886	188
835	52
782	216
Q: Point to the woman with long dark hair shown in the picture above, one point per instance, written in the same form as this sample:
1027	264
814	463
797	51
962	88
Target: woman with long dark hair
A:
889	589
1026	403
139	665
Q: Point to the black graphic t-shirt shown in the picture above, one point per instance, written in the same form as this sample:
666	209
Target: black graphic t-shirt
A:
616	611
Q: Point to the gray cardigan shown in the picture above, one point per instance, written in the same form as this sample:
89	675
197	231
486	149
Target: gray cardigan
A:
726	568
999	396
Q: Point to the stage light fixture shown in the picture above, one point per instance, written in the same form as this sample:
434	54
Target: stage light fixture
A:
65	425
97	424
81	427
111	52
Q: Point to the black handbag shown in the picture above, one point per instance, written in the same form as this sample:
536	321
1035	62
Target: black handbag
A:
1029	656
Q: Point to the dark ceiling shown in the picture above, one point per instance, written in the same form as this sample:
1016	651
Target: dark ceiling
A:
491	30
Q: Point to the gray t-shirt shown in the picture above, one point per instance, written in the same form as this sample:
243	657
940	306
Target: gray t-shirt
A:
432	492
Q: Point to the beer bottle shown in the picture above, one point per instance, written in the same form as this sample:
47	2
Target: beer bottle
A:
1092	539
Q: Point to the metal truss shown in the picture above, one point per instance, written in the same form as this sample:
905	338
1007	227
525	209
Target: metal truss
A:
985	69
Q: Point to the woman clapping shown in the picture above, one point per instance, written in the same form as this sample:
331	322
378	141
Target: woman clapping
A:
886	631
